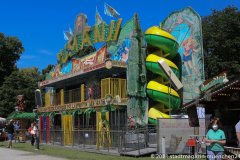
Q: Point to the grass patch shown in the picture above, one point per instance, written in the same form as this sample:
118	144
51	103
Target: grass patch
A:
71	154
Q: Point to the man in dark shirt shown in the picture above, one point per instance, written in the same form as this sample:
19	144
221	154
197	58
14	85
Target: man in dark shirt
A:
10	131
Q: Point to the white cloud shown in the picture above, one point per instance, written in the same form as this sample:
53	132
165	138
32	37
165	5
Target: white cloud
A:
23	57
45	52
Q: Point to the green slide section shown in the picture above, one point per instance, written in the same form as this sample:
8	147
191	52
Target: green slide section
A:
153	66
167	45
163	94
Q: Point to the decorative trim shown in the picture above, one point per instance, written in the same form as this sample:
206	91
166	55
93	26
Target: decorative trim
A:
86	104
86	70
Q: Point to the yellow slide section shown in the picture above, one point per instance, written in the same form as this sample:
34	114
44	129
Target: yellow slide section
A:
154	114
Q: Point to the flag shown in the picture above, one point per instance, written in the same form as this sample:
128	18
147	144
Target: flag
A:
70	31
110	11
98	18
65	36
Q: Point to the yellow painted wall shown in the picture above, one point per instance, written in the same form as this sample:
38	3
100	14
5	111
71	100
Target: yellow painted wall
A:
82	92
103	135
67	123
113	87
62	96
47	99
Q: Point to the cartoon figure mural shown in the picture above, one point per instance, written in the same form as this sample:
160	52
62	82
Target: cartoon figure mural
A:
185	26
57	71
189	46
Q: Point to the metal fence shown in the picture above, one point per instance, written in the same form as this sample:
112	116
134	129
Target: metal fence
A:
114	141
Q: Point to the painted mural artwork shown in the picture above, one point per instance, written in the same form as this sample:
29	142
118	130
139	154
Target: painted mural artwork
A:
185	26
57	71
66	68
119	51
85	36
79	64
122	51
101	55
76	65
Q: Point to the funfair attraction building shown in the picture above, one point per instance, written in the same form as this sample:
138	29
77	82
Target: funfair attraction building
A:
121	85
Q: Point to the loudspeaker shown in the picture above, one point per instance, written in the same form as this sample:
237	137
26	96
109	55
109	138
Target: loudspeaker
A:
192	116
38	98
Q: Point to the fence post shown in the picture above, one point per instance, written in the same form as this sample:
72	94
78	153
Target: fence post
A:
138	143
146	137
124	140
54	136
73	138
84	140
120	144
163	147
62	137
79	137
108	145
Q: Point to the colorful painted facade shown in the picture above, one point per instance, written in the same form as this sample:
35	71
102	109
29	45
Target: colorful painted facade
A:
185	26
82	92
120	85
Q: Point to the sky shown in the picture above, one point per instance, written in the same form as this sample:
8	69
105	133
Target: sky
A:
39	24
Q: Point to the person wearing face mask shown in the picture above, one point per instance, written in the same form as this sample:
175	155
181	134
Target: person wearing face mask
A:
237	129
215	139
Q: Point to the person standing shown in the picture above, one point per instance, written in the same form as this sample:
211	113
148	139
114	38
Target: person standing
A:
31	132
17	128
36	135
215	139
10	131
237	129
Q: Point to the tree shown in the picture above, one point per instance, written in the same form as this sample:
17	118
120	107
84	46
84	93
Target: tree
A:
221	42
20	82
10	51
48	69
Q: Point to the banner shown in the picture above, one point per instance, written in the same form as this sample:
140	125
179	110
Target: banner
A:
98	18
110	11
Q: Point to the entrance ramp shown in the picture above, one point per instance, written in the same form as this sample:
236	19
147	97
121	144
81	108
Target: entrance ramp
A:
140	152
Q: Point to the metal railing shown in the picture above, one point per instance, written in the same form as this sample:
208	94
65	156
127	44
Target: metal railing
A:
115	141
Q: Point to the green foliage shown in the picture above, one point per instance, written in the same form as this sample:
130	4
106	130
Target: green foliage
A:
10	51
20	82
48	69
221	42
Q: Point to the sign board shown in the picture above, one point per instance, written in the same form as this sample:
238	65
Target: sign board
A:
95	34
170	74
217	80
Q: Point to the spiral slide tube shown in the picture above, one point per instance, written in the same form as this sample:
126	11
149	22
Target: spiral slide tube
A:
167	49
